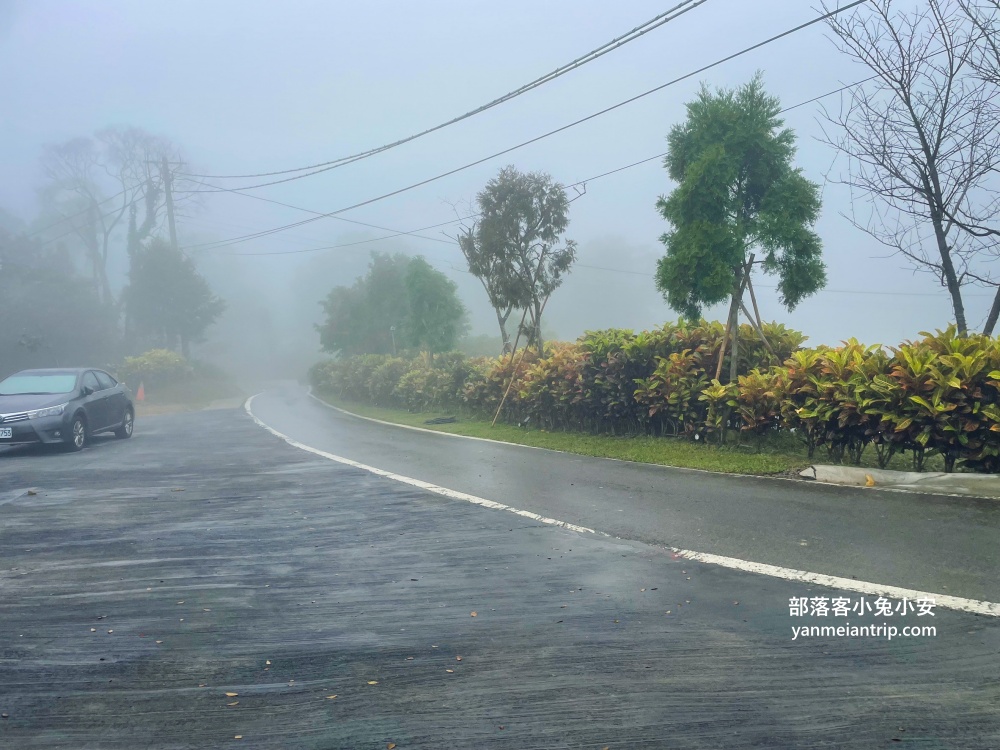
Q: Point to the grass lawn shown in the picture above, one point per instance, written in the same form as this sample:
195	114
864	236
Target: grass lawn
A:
778	454
775	458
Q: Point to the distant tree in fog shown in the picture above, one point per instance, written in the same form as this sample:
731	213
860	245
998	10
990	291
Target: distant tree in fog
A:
98	185
436	317
49	316
513	249
167	300
401	303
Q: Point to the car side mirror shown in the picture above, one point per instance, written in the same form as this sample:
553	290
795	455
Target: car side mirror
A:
87	390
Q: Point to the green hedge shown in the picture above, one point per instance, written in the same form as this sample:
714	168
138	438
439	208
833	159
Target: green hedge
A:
154	368
939	395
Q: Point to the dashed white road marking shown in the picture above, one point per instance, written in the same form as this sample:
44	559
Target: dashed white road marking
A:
974	606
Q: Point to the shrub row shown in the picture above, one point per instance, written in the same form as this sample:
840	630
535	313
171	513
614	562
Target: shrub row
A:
153	368
939	395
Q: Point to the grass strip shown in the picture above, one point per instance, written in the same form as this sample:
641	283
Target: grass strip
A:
768	460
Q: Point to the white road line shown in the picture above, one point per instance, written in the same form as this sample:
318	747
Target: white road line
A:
453	494
974	606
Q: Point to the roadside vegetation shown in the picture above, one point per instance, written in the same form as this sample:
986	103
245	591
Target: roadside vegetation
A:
926	404
169	382
777	457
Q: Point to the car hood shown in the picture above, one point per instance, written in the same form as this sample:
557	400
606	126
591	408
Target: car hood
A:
15	404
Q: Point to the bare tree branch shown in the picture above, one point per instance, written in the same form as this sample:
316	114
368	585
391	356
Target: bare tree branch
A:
922	137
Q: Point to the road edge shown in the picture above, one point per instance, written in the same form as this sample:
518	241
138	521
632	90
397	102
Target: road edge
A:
763	477
973	606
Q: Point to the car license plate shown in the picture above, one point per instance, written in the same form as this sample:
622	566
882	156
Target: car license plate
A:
6	433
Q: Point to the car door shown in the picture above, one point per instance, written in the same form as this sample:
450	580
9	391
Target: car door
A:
95	405
115	398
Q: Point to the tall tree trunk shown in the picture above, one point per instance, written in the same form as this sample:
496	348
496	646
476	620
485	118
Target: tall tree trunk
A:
537	324
991	319
725	340
502	322
950	277
734	331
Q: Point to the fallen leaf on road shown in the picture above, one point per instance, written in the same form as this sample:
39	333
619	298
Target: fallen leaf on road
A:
231	695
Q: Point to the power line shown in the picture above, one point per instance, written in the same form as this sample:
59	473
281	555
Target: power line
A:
71	216
264	233
359	242
639	31
238	191
414	232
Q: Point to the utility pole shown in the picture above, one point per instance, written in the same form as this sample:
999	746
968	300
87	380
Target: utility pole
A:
168	194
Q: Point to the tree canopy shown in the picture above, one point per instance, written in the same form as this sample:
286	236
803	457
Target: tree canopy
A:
737	193
401	303
514	247
166	298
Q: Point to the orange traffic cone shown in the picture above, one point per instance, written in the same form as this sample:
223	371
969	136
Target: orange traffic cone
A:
140	395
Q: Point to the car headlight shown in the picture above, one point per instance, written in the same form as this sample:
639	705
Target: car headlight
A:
49	411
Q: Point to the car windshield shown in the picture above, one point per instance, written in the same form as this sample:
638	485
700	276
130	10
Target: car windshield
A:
19	385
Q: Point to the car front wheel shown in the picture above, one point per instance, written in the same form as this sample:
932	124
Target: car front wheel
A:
128	422
77	437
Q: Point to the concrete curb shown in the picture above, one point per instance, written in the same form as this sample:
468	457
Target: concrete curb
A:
973	485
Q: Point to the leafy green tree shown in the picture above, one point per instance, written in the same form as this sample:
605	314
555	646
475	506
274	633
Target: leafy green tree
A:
400	303
166	298
437	317
738	194
368	317
513	248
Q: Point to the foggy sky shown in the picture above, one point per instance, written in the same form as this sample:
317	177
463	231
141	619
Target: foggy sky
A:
260	86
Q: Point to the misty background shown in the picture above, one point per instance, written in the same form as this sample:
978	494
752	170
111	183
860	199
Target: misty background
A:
255	87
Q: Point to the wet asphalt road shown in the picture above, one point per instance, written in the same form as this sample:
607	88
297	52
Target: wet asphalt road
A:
142	580
929	543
